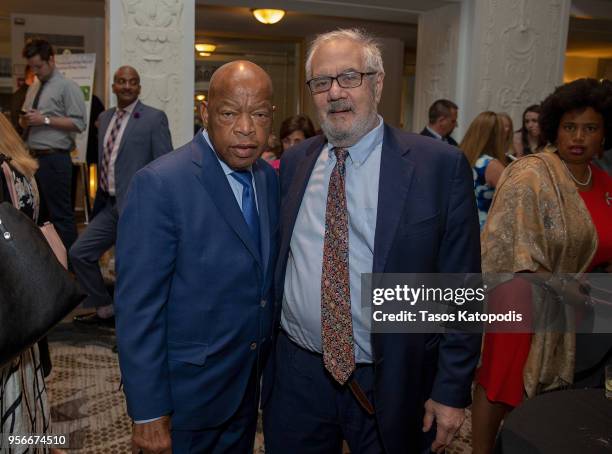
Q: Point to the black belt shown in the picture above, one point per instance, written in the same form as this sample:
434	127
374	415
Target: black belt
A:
47	151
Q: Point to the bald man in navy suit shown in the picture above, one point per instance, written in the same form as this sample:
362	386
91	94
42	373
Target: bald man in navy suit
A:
195	258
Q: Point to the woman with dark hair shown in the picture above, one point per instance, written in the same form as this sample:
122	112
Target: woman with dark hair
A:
551	214
528	140
295	129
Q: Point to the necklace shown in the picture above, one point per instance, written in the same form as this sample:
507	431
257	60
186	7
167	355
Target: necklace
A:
579	183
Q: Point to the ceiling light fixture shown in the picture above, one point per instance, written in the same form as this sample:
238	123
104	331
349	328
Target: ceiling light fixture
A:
268	16
205	47
205	54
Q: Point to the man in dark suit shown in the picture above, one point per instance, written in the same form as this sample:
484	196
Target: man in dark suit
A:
195	258
442	121
130	136
363	198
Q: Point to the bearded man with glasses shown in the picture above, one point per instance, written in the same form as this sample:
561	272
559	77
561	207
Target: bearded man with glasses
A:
362	198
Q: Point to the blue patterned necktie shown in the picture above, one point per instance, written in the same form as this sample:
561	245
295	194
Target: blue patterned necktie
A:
249	207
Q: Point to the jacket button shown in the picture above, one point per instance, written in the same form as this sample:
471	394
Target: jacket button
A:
263	303
253	345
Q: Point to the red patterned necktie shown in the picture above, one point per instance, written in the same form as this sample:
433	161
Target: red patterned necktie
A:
108	149
336	320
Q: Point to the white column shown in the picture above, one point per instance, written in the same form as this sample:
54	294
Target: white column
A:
156	37
437	57
499	55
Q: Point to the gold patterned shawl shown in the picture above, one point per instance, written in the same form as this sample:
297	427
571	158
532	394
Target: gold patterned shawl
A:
538	220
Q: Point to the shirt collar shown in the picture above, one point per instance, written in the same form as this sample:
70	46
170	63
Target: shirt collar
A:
129	109
55	74
226	169
434	133
360	152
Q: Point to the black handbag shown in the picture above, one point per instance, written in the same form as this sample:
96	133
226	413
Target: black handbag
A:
36	292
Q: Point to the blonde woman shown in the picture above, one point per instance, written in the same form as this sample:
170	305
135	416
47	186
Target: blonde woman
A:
24	405
485	148
508	134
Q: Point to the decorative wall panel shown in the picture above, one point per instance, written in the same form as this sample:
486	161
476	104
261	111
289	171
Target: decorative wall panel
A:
517	53
499	55
157	37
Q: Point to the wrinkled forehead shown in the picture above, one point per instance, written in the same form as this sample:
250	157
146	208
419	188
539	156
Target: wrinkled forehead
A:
238	89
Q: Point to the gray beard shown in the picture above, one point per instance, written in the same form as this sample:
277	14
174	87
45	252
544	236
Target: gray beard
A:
347	138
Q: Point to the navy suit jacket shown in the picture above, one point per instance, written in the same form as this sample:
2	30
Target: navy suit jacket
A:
146	137
193	301
426	223
425	132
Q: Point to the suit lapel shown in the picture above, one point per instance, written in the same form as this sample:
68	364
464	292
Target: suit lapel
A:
211	176
396	172
293	199
261	189
131	124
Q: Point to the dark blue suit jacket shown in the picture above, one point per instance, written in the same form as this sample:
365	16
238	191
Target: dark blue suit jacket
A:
193	300
425	132
426	223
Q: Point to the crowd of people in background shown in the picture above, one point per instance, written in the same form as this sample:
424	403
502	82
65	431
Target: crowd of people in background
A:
538	194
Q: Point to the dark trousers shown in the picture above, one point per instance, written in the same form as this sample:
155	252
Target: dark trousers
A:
99	236
308	412
55	178
235	436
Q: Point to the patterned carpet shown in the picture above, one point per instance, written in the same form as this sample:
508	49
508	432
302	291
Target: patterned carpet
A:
87	405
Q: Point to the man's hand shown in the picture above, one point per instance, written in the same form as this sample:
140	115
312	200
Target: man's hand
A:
152	437
448	421
34	118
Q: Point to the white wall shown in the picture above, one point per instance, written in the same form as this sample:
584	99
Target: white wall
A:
518	54
91	28
490	55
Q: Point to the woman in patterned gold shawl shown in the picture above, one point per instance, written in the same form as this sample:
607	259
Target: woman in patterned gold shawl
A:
539	223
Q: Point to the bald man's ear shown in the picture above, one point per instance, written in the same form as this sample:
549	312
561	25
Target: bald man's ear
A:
204	113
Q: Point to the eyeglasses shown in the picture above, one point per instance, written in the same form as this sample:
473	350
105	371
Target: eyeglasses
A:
351	79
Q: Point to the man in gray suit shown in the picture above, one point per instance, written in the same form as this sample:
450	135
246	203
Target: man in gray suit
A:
130	136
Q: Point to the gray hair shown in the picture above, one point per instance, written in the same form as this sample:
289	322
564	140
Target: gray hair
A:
371	48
